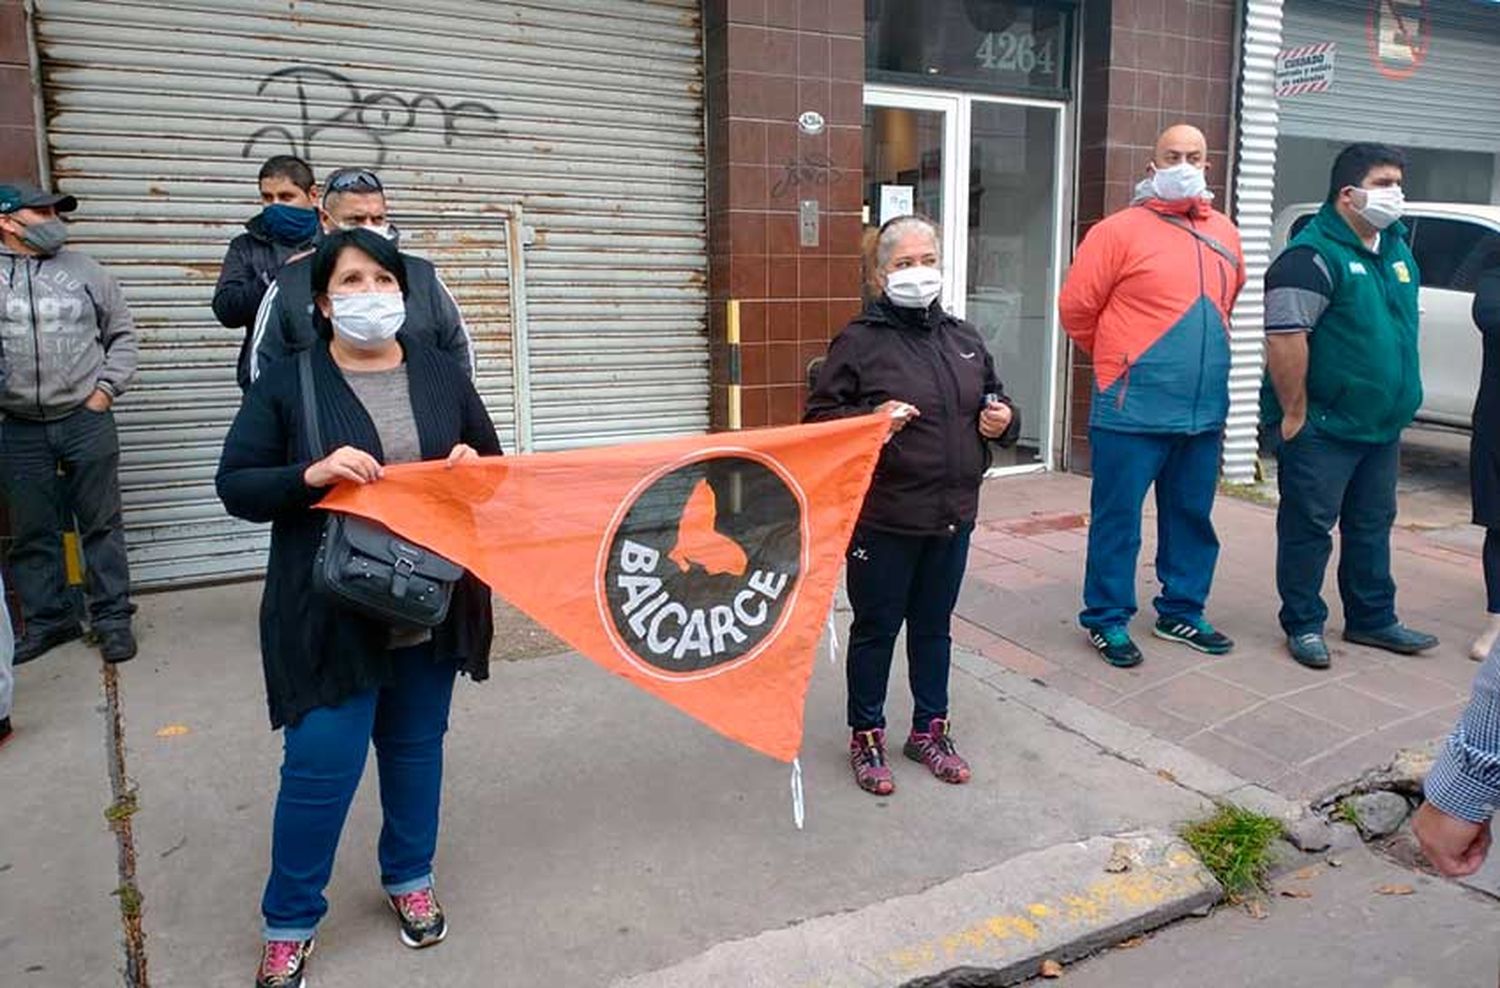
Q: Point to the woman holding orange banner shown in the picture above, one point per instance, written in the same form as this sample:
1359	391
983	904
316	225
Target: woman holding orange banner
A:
906	357
336	680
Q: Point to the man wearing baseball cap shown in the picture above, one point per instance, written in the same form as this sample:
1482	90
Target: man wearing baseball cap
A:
67	351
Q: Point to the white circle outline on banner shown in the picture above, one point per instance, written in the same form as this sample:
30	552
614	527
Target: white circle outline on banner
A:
601	565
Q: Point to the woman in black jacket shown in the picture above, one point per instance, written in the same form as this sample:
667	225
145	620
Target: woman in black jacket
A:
1484	450
906	357
336	680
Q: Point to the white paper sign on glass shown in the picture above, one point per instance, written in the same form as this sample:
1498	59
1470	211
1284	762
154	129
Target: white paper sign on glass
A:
895	200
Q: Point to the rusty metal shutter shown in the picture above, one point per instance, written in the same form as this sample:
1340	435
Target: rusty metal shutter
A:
1254	183
587	113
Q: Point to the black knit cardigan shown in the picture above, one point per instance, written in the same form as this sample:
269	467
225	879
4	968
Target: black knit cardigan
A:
316	653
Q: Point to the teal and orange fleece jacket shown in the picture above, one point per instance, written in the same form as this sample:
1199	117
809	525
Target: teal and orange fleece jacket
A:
1149	299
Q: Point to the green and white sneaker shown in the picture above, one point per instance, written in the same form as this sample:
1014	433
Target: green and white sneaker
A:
1115	647
1196	634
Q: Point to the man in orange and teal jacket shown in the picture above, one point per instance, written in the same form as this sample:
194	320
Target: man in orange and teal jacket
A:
1149	297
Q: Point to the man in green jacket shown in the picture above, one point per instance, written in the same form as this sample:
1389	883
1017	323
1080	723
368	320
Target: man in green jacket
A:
1342	382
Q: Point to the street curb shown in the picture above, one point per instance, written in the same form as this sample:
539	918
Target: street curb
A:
993	927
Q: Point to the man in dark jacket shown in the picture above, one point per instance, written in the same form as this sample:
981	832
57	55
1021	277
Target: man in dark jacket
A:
285	227
355	197
1342	381
69	351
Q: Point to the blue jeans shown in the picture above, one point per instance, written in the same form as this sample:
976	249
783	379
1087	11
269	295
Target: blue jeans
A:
1185	470
1324	481
902	578
324	757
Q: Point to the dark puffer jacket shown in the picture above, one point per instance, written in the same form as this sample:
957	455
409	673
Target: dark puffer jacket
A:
927	480
249	268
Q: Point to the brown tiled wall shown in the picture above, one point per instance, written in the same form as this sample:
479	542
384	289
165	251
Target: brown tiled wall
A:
768	61
1147	64
17	123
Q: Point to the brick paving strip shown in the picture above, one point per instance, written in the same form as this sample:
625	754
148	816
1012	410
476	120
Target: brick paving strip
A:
1255	712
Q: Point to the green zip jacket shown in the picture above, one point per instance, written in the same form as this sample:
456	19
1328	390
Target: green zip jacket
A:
1364	381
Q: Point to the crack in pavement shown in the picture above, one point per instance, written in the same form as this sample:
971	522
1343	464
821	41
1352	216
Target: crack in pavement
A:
122	807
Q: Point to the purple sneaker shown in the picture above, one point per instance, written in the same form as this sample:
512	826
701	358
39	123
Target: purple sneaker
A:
283	964
934	748
867	758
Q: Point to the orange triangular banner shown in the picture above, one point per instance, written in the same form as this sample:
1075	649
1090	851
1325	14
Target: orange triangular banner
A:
701	569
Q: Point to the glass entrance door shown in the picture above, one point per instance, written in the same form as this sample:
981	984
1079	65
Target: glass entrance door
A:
990	171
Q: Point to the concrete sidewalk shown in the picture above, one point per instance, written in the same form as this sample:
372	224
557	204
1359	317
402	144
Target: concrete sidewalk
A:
1255	712
590	832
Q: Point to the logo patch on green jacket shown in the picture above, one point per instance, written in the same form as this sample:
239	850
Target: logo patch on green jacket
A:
1357	267
1403	273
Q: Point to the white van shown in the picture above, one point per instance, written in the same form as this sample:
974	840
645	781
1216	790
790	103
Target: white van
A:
1453	244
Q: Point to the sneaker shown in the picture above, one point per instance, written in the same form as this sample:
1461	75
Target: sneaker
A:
867	758
1397	638
1196	634
5	730
36	643
1115	646
1309	649
934	748
422	922
117	644
283	964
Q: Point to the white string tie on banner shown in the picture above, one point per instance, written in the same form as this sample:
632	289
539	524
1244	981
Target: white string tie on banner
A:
798	810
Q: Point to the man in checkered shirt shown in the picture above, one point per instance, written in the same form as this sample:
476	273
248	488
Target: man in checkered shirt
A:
1463	788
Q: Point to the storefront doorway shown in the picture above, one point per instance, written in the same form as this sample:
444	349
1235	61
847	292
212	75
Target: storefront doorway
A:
989	170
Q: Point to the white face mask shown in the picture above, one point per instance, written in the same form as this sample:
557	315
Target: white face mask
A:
915	287
1380	207
368	320
1179	182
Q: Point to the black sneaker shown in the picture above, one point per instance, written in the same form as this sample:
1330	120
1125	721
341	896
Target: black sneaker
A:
34	644
5	730
117	645
1196	634
283	964
1115	646
422	922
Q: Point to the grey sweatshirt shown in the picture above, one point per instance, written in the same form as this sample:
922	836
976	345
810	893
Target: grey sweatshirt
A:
65	331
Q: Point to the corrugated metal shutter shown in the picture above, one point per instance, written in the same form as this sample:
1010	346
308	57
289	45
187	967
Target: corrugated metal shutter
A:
1254	181
586	112
1451	100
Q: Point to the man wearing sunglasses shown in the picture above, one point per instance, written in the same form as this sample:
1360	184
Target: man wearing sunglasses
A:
355	197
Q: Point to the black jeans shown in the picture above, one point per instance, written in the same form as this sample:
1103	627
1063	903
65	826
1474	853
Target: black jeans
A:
1326	481
894	579
1492	569
87	449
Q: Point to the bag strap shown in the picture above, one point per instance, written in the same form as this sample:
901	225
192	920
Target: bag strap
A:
1204	238
310	403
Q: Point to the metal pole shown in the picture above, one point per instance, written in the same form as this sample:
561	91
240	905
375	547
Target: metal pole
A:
38	103
732	338
520	334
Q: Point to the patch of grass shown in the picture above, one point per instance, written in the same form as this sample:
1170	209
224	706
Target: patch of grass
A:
1235	845
1346	813
130	900
122	809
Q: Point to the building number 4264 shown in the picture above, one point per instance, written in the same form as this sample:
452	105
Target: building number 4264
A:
1010	51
